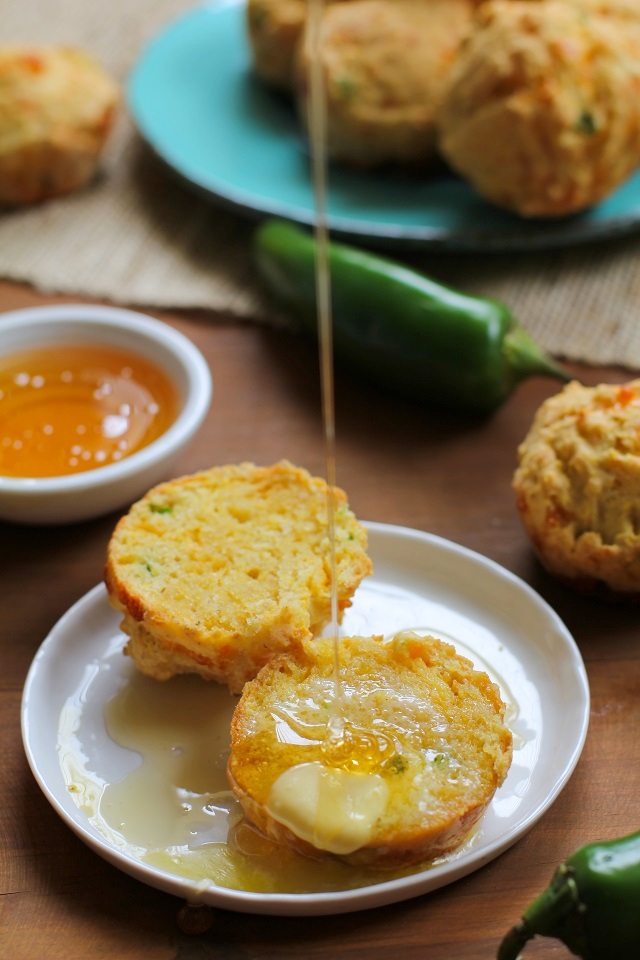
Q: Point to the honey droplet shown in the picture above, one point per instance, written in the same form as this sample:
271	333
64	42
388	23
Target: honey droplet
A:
354	749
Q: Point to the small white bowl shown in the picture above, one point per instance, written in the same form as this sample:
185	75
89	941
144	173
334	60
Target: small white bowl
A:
80	496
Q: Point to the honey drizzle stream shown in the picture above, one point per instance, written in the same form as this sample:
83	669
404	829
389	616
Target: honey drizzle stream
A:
317	125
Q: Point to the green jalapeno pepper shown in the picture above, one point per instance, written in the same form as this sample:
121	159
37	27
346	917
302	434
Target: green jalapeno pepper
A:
402	329
592	904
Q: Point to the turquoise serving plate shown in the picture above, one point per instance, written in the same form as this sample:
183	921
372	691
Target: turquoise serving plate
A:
195	101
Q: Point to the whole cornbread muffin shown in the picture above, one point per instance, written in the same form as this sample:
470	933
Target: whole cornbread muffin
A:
385	66
56	110
275	29
217	572
578	487
394	771
542	109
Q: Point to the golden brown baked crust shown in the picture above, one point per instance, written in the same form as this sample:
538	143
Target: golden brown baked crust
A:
275	29
216	573
444	748
56	110
386	66
611	8
578	487
542	111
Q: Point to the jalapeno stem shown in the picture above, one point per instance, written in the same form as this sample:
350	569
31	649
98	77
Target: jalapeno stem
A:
525	358
556	912
514	941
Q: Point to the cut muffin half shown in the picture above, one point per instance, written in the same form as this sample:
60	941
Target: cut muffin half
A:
399	774
217	572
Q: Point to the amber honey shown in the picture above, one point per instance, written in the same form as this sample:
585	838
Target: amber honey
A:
66	409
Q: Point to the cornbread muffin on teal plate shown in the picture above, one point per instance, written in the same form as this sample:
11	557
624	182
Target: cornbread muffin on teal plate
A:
217	572
386	67
578	487
275	28
419	750
542	110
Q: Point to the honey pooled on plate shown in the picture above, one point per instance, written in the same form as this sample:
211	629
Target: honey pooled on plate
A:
66	409
169	805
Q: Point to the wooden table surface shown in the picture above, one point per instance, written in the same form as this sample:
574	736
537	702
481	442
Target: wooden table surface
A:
399	464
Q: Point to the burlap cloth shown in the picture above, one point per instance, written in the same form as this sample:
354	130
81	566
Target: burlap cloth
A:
136	236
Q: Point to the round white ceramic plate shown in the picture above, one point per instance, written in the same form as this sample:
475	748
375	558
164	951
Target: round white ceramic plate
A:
421	582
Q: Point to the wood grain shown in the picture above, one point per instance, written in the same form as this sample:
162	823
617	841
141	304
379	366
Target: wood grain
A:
399	464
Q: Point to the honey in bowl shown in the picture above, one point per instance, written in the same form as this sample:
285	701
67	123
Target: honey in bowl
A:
66	409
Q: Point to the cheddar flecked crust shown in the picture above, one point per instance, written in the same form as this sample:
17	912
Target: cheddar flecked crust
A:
57	108
578	487
275	29
542	109
446	748
217	572
386	67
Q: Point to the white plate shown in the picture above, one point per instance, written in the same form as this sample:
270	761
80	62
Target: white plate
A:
420	582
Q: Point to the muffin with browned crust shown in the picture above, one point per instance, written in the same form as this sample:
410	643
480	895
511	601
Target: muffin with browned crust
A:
396	771
385	67
542	110
217	572
275	29
578	487
56	110
611	8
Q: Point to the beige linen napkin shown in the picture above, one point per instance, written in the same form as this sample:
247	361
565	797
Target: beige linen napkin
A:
137	236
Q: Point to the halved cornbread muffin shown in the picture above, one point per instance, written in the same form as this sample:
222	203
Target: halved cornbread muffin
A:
217	572
396	771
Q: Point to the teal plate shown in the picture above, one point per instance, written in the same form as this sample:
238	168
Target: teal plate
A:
196	103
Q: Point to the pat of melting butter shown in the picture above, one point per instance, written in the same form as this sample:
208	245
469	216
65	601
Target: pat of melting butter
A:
333	809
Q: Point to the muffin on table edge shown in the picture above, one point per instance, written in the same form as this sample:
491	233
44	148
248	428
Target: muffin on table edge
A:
578	487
